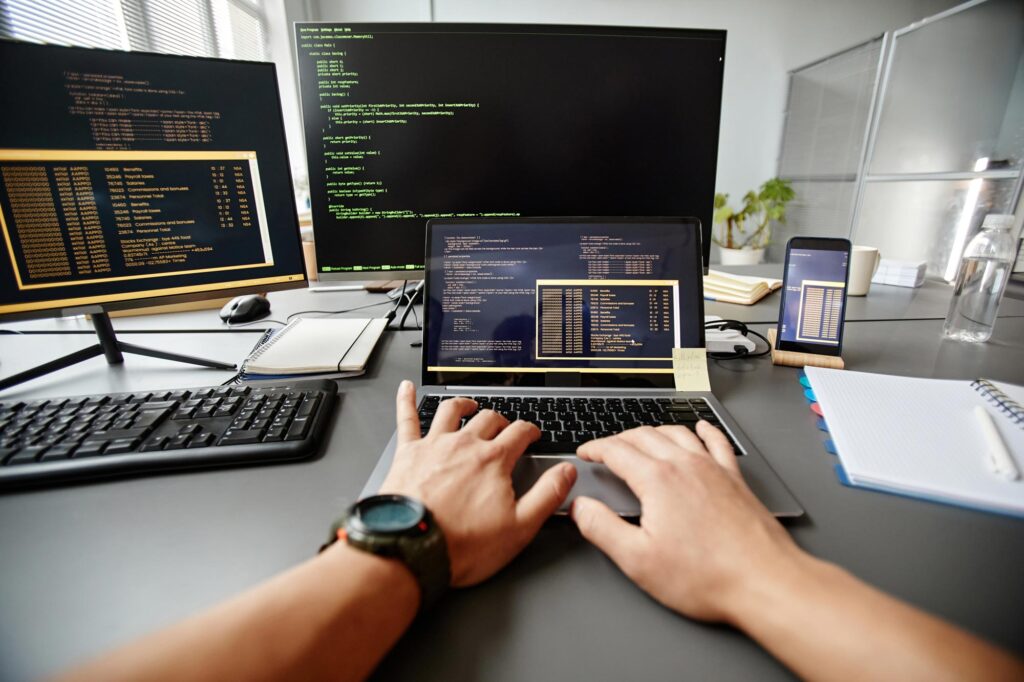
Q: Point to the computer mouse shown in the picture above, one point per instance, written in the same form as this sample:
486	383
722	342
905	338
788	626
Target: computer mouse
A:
245	309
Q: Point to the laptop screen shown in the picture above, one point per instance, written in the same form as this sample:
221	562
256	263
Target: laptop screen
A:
561	302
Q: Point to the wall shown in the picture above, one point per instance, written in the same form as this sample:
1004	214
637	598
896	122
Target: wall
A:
765	41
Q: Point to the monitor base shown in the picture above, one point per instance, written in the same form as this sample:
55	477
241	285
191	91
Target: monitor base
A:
110	347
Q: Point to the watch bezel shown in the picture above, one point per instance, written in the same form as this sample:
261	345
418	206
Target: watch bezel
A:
355	522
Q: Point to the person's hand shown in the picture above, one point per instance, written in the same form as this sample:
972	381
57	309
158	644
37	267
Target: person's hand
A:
703	535
463	476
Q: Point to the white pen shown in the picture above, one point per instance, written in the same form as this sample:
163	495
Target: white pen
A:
1002	462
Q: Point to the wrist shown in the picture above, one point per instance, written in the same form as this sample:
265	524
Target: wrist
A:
769	587
388	575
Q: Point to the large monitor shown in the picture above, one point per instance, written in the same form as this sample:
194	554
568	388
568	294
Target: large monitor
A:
408	122
131	179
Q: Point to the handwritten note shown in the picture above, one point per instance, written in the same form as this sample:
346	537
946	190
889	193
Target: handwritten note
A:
690	366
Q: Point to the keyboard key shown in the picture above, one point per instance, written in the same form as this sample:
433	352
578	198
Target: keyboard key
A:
274	434
241	437
150	417
90	448
121	445
57	452
177	442
154	444
112	434
298	429
201	440
27	455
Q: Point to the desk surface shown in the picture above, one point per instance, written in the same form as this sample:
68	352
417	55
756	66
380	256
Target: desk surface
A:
928	302
87	567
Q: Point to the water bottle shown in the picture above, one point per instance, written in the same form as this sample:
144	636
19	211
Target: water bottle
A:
980	281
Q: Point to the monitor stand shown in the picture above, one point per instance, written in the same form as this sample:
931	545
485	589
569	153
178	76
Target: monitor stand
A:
111	348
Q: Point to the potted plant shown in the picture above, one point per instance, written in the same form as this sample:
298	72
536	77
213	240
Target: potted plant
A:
743	242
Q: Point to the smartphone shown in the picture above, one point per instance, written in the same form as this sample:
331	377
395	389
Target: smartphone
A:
814	295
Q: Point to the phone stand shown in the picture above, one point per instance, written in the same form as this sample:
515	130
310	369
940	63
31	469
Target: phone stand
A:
791	358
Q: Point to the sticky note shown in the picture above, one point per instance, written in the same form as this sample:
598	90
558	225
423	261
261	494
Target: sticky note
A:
821	424
830	448
690	367
816	409
809	394
804	381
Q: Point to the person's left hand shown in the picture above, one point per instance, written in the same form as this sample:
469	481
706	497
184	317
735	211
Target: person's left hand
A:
464	477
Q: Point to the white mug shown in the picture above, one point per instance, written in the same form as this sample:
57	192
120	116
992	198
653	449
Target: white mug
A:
864	262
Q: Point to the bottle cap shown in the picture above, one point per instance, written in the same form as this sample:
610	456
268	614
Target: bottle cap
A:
998	221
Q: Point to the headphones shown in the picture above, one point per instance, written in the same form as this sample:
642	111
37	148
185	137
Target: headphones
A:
739	351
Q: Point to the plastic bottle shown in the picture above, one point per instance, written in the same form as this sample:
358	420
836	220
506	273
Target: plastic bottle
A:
980	281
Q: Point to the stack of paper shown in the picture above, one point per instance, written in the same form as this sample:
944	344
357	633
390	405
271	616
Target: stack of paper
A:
900	273
743	289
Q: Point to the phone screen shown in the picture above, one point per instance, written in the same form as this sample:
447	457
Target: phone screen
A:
813	297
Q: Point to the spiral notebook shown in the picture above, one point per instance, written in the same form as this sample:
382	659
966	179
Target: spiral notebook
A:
919	437
316	346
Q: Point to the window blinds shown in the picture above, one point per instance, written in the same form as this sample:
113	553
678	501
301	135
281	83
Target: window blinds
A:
234	29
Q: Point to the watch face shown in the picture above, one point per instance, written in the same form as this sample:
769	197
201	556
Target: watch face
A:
389	513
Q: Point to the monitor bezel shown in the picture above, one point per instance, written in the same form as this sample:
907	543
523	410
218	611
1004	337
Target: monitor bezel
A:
231	288
475	27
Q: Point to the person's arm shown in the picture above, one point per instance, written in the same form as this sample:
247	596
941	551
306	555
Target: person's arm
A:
707	548
336	615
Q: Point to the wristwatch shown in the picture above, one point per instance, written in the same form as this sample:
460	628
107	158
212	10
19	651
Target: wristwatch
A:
398	527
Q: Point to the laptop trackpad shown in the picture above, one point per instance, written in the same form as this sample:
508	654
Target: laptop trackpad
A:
593	480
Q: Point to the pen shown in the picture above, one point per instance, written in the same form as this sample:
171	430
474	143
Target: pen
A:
1002	462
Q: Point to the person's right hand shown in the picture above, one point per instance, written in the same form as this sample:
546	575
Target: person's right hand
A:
703	535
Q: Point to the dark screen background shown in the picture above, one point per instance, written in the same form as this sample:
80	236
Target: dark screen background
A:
572	121
34	115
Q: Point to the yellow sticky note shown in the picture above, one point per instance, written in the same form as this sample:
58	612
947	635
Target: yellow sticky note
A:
690	366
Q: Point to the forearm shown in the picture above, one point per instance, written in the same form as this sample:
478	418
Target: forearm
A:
825	624
333	617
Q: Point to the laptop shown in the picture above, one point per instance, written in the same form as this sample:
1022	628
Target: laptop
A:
570	323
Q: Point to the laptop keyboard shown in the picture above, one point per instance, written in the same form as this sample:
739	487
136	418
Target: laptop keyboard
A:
566	423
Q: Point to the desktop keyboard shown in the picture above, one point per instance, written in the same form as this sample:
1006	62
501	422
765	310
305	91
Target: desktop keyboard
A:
566	423
62	440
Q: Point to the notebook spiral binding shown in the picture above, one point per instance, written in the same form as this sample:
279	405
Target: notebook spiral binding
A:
267	339
1002	402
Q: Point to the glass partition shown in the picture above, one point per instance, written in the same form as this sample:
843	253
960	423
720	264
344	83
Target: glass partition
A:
943	139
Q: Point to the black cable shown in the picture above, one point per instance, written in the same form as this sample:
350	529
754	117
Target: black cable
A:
337	312
740	351
391	314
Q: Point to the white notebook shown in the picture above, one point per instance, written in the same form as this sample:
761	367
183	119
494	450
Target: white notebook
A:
318	346
920	437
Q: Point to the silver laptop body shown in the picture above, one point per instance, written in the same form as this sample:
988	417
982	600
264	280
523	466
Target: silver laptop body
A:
479	271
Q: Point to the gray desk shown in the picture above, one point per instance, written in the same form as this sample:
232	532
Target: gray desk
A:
929	302
282	304
87	567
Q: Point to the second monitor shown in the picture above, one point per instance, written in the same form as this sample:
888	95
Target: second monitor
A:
408	122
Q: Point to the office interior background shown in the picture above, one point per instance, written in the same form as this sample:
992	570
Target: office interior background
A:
900	124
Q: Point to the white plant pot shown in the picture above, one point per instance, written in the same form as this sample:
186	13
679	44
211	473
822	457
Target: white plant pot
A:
741	256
